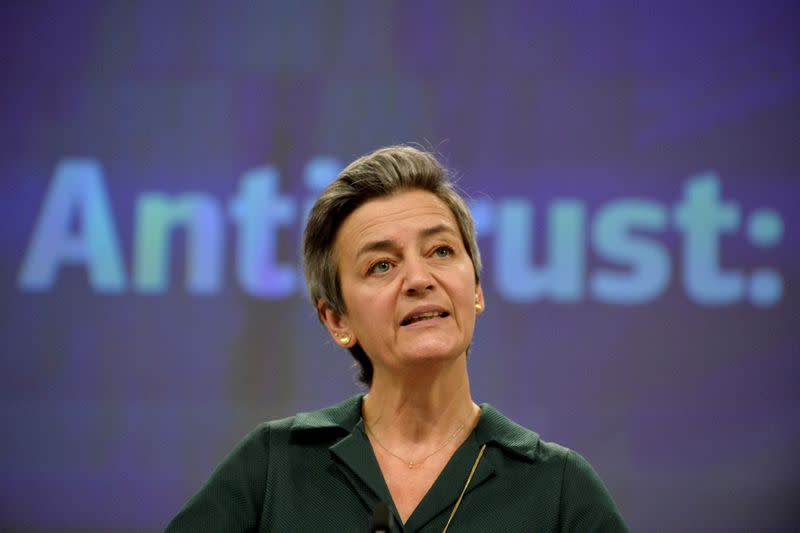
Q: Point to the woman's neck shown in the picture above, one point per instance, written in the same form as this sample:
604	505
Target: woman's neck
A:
421	408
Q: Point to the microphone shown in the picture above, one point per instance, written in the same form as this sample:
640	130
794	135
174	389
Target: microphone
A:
380	518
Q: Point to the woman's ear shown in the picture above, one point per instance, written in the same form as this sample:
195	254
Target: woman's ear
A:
337	325
480	305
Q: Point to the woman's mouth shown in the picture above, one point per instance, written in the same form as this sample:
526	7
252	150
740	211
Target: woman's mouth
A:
424	316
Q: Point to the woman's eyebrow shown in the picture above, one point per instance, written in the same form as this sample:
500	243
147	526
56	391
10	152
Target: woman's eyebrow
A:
390	245
435	230
378	246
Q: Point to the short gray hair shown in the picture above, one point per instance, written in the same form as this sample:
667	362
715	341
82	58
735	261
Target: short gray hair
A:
382	173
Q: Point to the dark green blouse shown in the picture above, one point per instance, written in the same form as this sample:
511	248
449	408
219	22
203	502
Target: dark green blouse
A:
317	472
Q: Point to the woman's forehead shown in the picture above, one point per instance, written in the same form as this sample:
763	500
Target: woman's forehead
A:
407	214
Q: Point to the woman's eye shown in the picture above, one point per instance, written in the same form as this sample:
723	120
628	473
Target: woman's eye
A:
380	267
443	251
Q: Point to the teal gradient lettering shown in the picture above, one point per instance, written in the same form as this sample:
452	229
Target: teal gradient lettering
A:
702	217
76	190
157	217
630	240
259	210
647	261
561	277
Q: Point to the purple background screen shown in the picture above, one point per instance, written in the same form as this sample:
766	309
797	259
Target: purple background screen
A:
634	172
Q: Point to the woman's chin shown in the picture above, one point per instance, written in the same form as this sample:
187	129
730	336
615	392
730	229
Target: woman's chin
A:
430	352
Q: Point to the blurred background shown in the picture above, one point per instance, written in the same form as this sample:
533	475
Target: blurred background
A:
633	168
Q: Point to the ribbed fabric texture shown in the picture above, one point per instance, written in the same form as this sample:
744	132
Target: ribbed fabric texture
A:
317	472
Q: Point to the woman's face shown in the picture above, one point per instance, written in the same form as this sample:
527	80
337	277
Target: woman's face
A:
407	281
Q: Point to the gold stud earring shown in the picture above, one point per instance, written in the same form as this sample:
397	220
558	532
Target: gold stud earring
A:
345	339
478	306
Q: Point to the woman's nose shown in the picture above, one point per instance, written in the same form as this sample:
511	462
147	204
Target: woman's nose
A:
418	277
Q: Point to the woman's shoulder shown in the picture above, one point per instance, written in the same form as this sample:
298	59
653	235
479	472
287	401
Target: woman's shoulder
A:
497	427
582	499
524	444
344	415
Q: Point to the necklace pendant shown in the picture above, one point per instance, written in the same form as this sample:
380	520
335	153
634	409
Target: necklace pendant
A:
412	465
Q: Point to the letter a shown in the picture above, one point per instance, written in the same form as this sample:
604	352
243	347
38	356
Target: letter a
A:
77	189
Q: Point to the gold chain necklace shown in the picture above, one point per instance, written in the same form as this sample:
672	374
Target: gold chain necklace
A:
414	464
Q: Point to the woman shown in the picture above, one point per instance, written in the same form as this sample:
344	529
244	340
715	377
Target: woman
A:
392	266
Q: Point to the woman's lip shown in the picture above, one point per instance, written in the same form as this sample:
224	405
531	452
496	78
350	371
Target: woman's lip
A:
422	310
428	321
